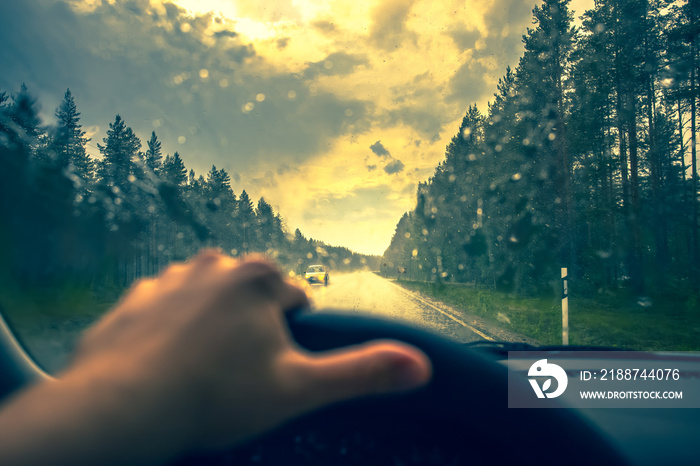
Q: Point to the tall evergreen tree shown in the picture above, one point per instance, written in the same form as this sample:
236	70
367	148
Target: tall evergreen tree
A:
174	170
120	149
153	156
68	142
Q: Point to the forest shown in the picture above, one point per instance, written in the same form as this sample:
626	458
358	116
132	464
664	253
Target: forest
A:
69	217
586	158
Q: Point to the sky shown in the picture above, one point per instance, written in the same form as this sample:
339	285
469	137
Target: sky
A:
333	111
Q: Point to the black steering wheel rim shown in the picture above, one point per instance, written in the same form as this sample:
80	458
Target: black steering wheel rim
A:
460	417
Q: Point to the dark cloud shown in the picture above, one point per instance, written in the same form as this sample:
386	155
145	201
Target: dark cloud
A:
379	149
465	39
423	119
392	165
282	43
164	70
220	34
284	168
389	24
338	63
467	84
505	21
325	26
395	166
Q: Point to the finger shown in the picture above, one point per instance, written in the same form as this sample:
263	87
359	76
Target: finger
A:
371	368
260	280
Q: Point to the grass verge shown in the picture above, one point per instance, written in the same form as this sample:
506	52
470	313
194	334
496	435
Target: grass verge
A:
611	320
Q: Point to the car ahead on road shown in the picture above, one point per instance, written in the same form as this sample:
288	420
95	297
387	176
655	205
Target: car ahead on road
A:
317	274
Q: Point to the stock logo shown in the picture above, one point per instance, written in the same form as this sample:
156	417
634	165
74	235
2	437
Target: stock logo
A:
543	369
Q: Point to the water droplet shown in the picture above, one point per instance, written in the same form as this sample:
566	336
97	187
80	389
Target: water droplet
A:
260	97
223	82
204	73
292	95
644	301
181	139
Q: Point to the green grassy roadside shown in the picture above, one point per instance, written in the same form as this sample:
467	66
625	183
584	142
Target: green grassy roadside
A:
609	321
27	308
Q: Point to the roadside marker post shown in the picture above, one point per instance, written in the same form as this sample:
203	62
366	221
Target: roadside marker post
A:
564	307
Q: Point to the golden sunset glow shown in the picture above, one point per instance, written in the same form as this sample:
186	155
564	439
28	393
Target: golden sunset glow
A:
399	56
333	111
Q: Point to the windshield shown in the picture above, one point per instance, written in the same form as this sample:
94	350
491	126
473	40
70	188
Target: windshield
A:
518	171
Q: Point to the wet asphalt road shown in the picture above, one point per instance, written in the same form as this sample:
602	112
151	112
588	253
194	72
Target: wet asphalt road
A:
365	292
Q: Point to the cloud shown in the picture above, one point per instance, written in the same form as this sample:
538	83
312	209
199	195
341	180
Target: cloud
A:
389	24
395	166
269	11
325	26
392	166
379	149
182	75
338	63
282	42
467	84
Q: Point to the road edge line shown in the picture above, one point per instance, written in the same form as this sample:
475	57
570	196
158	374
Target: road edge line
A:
447	314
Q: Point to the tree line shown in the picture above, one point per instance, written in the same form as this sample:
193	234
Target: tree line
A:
67	215
585	159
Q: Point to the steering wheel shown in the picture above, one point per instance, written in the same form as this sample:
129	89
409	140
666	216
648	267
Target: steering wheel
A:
460	417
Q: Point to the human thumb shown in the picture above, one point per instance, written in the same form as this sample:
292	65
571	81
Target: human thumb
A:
372	368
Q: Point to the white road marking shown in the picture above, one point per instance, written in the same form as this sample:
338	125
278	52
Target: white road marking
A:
446	314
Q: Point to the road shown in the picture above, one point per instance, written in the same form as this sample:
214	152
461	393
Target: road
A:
368	293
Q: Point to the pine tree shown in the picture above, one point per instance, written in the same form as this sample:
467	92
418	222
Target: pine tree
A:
68	142
153	157
174	170
245	219
120	149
